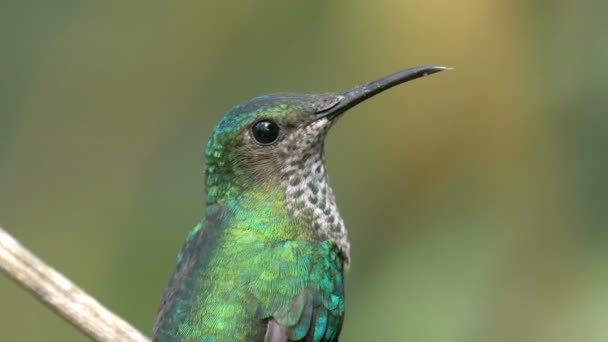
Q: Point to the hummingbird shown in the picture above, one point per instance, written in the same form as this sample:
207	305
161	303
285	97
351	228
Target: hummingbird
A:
267	262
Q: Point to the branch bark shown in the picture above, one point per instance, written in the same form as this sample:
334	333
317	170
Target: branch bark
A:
61	295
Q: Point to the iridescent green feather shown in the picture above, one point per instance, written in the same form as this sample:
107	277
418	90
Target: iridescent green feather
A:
257	265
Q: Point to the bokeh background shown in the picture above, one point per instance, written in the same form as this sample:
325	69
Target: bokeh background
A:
476	199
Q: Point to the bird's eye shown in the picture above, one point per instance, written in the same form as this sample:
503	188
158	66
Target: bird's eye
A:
265	131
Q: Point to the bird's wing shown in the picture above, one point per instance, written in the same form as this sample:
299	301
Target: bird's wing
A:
316	312
172	307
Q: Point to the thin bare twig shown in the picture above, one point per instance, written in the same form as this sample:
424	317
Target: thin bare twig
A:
61	295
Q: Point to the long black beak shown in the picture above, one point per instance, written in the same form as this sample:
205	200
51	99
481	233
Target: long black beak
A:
361	93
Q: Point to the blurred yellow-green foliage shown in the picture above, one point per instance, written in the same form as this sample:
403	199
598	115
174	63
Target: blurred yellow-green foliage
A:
476	199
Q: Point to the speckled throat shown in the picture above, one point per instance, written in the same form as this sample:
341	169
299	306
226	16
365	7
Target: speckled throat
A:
308	194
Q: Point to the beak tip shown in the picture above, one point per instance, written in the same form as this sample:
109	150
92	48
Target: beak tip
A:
436	68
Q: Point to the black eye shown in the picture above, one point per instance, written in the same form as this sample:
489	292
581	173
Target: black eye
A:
265	131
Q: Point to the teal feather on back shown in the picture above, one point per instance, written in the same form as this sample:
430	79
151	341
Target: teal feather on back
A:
243	268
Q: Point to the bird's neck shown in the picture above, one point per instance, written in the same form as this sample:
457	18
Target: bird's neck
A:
261	210
309	197
298	201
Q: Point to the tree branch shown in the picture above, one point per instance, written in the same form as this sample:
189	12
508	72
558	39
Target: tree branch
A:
61	295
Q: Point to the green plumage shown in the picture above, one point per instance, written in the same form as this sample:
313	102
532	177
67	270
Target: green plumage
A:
266	263
257	266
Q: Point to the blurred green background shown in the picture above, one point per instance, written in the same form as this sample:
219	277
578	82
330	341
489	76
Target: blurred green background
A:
476	199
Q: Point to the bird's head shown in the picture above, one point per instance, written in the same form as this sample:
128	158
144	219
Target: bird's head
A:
274	137
262	139
276	142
